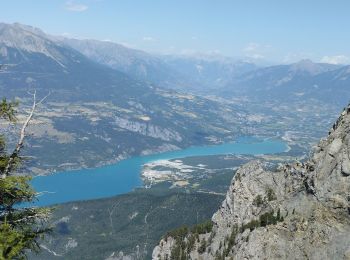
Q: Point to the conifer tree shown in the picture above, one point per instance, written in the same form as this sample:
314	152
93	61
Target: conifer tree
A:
21	226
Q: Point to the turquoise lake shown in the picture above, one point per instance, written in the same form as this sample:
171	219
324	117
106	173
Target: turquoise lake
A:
125	175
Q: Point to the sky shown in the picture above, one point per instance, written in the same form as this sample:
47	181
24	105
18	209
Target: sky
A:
277	31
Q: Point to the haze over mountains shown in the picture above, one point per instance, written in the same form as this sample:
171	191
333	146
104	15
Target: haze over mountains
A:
35	59
189	73
200	74
222	76
215	74
130	102
117	114
301	80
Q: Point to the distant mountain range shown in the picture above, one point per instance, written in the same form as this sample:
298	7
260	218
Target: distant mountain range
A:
302	80
208	72
137	64
108	113
226	77
191	73
212	75
21	45
32	58
136	103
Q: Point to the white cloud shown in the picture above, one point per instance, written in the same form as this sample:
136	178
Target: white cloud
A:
251	47
188	52
292	57
75	7
255	50
337	59
128	45
214	52
66	34
195	52
148	39
256	56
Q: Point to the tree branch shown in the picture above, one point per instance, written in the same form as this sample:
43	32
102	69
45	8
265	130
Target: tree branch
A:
19	145
34	217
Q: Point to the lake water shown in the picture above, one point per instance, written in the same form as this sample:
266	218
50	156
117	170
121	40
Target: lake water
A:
125	175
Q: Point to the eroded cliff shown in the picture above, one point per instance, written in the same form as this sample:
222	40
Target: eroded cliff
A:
299	211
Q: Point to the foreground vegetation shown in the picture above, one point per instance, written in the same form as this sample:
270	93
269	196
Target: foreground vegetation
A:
21	226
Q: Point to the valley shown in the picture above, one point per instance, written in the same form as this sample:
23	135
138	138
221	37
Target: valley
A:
130	225
99	115
130	145
124	176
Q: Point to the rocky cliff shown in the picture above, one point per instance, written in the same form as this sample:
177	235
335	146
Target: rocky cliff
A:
299	211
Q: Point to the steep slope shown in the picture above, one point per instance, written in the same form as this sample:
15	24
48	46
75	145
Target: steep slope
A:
299	211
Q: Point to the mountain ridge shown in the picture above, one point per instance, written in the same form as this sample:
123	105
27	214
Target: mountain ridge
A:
119	116
198	74
298	81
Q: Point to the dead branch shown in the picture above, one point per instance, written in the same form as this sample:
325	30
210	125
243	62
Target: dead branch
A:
20	142
34	217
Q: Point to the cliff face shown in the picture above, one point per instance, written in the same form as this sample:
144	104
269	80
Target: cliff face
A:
300	211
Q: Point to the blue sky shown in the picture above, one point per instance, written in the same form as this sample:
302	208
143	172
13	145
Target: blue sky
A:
273	30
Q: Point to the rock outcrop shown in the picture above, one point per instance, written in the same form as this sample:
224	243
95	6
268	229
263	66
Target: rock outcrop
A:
299	211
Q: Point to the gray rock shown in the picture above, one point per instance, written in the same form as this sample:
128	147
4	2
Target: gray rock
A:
148	129
335	146
312	197
345	167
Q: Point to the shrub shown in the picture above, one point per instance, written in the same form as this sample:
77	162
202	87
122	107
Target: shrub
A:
231	240
258	200
203	228
270	194
202	247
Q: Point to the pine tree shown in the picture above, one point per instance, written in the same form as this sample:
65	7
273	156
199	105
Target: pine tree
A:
21	226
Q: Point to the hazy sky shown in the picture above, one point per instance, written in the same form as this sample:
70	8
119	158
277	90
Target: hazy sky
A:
275	30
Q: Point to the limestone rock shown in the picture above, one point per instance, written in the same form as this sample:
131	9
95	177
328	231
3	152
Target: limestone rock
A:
300	211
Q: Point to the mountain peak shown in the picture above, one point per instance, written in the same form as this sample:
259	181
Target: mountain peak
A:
305	62
16	31
310	67
22	36
307	66
26	40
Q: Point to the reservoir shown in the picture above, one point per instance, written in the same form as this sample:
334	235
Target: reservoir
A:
125	175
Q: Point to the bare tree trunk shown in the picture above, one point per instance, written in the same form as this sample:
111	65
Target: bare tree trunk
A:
20	142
